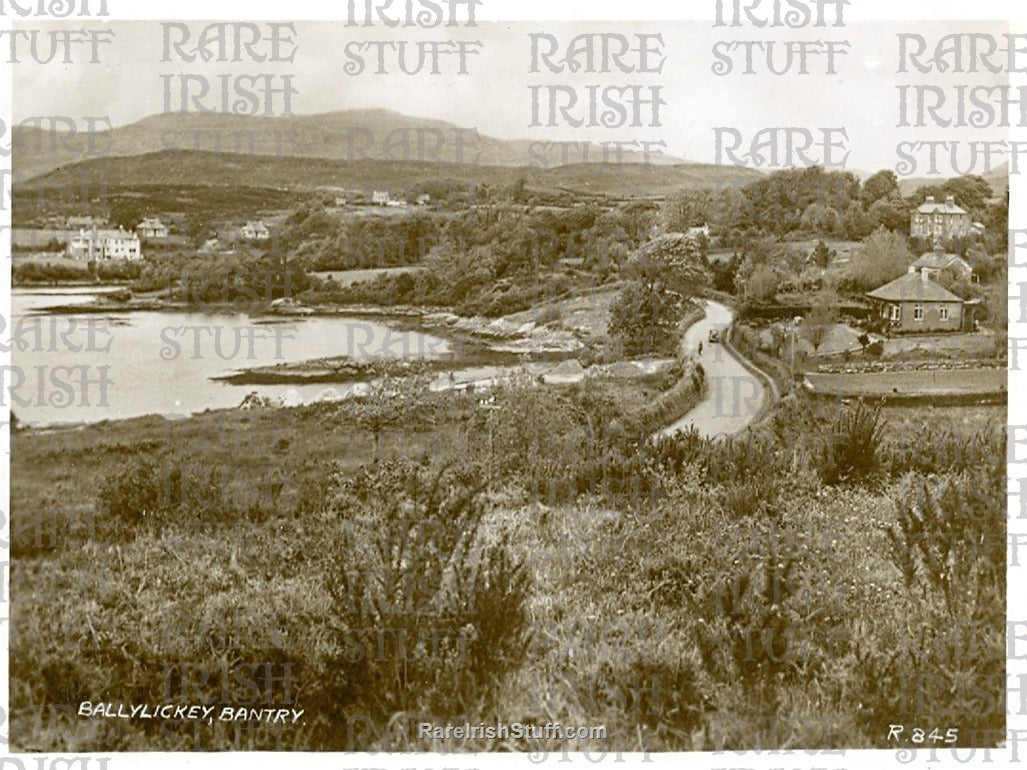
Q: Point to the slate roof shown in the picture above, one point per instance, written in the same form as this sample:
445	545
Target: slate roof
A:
933	207
913	287
936	261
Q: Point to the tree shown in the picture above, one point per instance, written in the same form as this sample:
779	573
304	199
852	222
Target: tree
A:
883	184
970	191
881	258
985	267
126	213
765	250
643	318
890	213
724	273
663	272
996	219
823	314
996	305
821	219
822	254
856	224
760	285
389	401
689	208
957	282
517	192
672	262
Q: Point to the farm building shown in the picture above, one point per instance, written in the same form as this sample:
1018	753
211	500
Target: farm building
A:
915	303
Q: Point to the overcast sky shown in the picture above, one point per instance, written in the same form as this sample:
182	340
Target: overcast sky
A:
495	97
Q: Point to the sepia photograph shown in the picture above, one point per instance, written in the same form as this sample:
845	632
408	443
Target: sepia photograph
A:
409	381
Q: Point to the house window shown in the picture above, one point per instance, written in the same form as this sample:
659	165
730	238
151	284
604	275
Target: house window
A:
918	312
943	314
896	312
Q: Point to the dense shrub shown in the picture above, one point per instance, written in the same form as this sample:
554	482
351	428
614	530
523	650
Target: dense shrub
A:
158	490
851	449
416	571
135	491
939	449
755	496
948	665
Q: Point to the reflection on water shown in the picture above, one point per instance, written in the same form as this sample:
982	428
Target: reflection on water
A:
91	367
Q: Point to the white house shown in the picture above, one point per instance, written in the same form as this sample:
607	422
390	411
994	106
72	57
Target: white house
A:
348	197
152	228
423	199
255	231
380	198
104	244
694	233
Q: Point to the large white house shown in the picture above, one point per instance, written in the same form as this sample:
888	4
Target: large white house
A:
105	243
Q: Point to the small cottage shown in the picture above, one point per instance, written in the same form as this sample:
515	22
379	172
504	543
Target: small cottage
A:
915	303
936	262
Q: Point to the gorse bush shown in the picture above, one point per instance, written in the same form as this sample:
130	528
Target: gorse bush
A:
135	491
159	489
949	540
755	496
428	606
940	449
680	589
851	449
948	667
747	623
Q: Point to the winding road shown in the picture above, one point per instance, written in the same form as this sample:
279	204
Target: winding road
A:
734	394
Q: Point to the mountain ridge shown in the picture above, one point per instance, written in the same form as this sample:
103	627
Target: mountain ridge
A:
375	134
186	168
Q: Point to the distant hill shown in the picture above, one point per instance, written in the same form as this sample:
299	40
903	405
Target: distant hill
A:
349	135
998	179
186	168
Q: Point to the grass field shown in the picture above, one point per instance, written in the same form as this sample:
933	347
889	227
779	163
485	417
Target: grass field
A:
636	599
925	383
350	277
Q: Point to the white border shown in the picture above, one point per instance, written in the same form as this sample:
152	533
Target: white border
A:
644	10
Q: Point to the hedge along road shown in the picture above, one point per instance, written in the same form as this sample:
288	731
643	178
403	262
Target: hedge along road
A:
734	395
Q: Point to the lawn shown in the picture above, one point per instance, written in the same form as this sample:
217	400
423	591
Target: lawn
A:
948	382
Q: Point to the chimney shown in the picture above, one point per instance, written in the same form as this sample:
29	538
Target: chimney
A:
912	269
930	199
923	274
951	200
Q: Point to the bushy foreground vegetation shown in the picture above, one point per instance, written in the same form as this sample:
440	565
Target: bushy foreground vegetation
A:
527	555
44	272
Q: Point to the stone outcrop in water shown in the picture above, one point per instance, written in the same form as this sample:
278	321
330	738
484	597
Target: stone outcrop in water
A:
254	400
